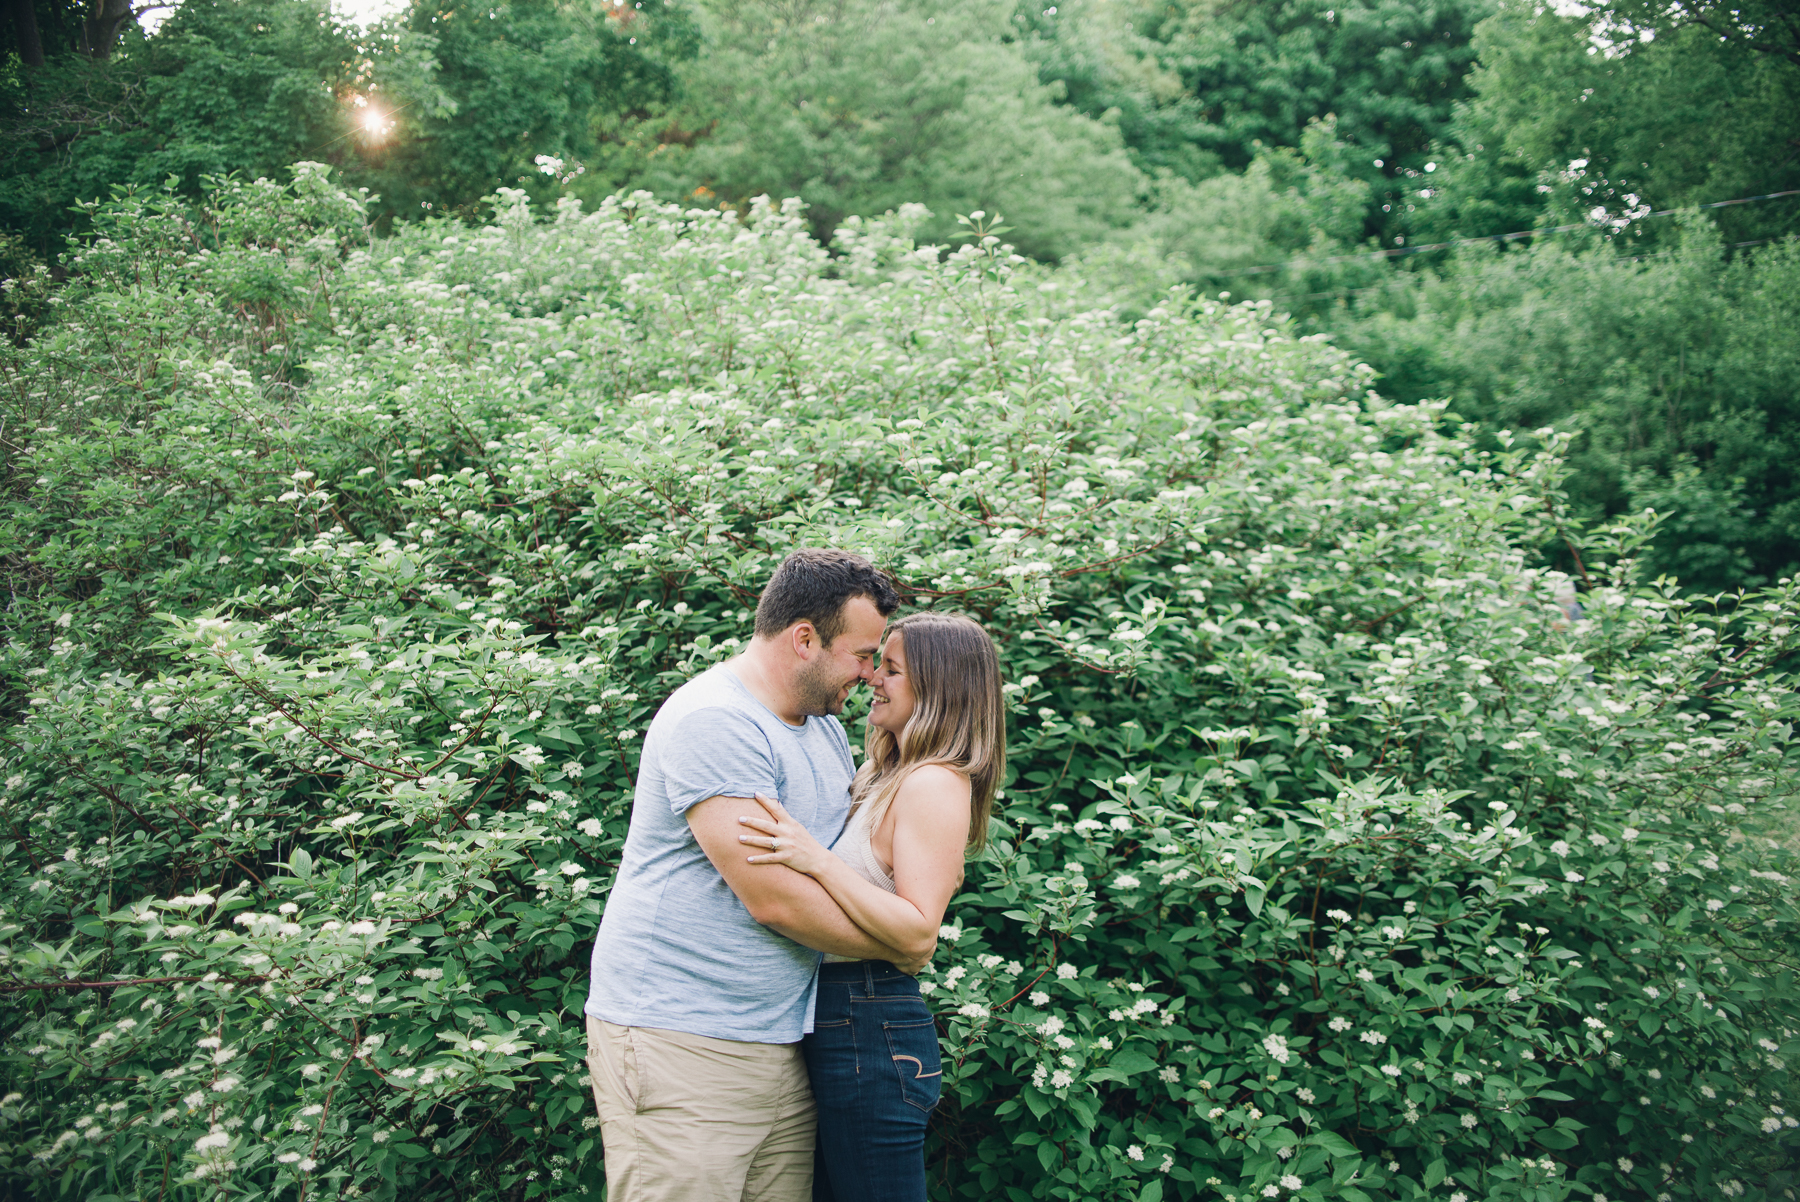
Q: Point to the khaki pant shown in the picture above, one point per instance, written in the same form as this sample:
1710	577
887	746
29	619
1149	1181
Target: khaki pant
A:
686	1118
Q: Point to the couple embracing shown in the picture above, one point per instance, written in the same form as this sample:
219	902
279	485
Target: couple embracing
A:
727	1061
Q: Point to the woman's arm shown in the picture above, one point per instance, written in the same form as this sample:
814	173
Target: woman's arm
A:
931	826
794	905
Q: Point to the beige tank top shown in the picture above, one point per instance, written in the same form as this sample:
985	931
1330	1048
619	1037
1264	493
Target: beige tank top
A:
853	849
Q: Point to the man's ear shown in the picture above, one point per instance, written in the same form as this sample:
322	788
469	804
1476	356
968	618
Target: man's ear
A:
803	639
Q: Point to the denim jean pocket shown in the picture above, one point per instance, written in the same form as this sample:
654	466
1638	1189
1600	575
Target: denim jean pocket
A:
913	1047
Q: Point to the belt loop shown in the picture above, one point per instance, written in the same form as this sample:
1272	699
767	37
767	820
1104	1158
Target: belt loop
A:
869	976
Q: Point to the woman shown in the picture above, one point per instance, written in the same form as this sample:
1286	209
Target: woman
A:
935	750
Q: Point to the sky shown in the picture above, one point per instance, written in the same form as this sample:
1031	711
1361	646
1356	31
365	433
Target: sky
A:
364	12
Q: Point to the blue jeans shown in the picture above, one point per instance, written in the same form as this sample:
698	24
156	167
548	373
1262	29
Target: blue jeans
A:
873	1060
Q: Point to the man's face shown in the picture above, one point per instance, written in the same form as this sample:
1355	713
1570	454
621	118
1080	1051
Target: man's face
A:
824	683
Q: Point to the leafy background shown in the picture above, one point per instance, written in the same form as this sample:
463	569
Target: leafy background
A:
1325	156
1398	635
1337	861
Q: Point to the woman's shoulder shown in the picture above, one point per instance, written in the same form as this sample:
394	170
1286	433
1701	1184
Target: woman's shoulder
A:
935	780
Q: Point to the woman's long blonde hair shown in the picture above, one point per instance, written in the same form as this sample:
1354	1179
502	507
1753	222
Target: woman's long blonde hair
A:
958	718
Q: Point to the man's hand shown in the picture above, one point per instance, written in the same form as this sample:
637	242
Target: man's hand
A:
914	967
789	902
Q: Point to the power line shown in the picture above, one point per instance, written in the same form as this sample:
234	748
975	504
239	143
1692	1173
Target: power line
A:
1398	251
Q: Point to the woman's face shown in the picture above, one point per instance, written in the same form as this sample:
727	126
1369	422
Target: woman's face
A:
891	706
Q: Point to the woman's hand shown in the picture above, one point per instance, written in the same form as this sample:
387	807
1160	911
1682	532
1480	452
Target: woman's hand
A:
788	842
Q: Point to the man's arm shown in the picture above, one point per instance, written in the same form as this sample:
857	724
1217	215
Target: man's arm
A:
789	902
930	822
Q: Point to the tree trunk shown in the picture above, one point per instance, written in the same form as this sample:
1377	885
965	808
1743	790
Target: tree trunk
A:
101	25
25	32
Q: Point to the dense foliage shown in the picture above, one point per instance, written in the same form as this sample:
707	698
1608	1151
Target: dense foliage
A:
1338	860
1322	154
1678	369
1199	85
860	106
1662	343
429	113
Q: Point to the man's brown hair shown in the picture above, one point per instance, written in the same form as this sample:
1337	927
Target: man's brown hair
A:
813	585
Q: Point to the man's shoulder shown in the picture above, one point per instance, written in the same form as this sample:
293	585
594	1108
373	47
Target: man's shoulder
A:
714	694
711	713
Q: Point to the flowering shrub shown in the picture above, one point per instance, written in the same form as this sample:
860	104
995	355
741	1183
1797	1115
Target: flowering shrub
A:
1337	860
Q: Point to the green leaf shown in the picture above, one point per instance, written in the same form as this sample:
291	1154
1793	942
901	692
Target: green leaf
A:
1130	1062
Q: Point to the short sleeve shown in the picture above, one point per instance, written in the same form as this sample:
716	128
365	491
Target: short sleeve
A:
716	752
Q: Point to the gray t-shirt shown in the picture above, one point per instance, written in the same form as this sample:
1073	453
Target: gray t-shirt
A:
677	950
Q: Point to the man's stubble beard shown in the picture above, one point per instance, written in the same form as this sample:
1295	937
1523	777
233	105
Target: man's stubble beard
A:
816	695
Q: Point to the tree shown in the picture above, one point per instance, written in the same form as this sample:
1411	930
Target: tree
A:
432	112
1615	123
1665	342
102	24
27	43
863	106
223	85
93	29
1104	60
1764	26
522	78
1676	371
1244	75
1289	228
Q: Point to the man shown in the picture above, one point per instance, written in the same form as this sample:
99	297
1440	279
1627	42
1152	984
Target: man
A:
705	968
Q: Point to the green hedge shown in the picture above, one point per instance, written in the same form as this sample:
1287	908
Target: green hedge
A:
1337	860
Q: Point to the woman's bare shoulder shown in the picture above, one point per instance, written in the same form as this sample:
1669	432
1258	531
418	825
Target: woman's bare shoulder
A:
933	782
